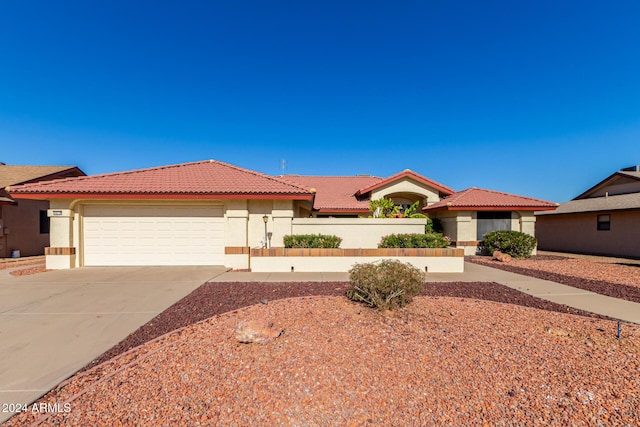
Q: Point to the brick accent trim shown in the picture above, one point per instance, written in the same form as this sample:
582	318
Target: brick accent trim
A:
469	243
420	252
236	250
59	251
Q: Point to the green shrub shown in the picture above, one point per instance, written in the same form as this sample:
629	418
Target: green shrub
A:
514	243
433	226
312	241
427	240
385	285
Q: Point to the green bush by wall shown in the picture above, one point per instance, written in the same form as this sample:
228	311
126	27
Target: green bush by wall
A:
427	240
324	241
514	243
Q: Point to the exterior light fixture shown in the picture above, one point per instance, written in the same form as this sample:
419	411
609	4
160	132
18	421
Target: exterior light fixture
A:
265	218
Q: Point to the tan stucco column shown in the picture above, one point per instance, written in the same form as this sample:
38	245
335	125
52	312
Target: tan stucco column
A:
61	253
466	228
236	235
282	215
528	223
466	231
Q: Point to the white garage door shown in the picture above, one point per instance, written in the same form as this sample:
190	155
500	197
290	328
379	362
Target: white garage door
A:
153	235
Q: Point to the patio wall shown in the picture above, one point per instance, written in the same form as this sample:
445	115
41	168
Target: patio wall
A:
448	260
358	232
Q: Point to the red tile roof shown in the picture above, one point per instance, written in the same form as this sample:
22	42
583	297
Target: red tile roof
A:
481	199
337	193
443	189
206	179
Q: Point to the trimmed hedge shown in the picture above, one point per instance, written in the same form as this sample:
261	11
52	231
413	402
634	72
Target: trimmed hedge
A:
385	285
514	243
427	240
323	241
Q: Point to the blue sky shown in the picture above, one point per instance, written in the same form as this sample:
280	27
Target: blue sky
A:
534	98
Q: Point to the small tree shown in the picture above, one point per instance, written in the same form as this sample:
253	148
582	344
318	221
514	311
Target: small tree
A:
386	208
381	208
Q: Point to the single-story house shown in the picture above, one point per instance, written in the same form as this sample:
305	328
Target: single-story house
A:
604	220
24	225
212	213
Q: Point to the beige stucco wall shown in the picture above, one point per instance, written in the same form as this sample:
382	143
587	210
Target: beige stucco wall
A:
578	233
410	186
279	213
65	233
21	228
236	224
358	232
343	264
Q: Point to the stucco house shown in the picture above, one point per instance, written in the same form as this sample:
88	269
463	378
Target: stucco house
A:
24	225
603	220
212	213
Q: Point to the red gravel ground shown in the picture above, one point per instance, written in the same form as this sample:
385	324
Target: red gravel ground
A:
24	266
4	265
29	271
618	280
216	298
444	360
440	361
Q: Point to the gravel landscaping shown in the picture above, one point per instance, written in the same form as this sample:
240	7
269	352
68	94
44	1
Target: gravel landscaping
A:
440	361
460	354
211	299
23	266
8	263
618	280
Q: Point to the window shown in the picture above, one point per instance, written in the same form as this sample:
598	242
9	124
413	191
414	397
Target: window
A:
44	222
492	221
604	222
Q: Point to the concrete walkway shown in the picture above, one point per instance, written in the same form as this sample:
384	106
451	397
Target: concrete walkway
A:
551	291
55	323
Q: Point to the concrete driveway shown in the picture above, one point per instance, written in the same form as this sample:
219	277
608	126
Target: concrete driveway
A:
52	324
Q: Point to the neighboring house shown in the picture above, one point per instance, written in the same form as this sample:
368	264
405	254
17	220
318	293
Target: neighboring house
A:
24	225
604	220
211	213
468	215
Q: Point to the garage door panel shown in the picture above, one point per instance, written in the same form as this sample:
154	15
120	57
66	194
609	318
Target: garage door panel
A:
150	235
